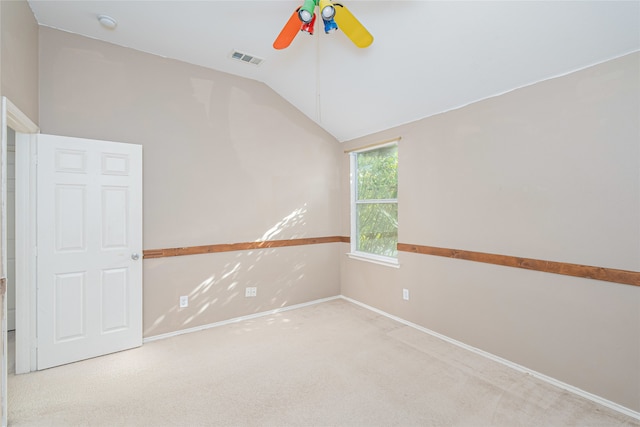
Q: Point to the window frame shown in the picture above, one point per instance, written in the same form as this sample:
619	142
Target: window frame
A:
354	253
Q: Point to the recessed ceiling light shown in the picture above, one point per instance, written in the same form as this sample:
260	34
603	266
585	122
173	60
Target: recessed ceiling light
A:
107	22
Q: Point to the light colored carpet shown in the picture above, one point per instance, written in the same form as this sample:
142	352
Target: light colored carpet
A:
331	364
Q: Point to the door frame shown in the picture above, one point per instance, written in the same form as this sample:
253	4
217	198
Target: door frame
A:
26	130
26	250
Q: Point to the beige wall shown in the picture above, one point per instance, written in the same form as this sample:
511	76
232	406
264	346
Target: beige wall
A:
225	160
20	56
550	171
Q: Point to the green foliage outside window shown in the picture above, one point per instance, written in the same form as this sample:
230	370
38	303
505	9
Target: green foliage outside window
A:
376	201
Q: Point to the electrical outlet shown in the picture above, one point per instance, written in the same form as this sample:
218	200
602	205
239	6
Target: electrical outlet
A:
184	301
251	292
405	294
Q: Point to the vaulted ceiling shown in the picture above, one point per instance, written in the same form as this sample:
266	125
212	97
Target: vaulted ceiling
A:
427	56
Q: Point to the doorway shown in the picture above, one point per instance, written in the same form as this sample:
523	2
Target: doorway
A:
109	295
16	124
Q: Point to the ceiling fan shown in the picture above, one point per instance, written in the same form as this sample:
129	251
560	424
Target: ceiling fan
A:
334	15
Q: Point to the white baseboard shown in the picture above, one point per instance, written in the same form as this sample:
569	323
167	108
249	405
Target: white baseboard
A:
590	396
594	398
238	319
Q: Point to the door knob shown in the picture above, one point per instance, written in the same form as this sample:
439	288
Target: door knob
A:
135	257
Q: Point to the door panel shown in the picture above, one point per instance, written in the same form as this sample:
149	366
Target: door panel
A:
115	211
89	225
115	300
70	223
69	306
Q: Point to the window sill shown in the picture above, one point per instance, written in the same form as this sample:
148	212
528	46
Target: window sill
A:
386	261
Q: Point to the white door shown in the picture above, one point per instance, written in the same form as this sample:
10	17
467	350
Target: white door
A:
89	233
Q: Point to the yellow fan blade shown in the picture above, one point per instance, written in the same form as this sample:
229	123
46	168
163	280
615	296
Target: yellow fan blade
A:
352	27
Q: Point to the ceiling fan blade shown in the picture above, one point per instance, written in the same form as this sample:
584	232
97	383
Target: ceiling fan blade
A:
289	31
352	27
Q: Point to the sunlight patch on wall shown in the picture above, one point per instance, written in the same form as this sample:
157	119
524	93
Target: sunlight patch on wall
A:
290	220
230	272
204	286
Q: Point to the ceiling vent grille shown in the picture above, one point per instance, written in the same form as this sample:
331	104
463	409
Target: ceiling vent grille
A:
244	57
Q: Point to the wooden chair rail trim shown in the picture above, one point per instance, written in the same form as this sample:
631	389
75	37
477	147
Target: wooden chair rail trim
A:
585	271
245	246
576	270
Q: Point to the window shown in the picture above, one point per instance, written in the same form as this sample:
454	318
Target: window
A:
374	203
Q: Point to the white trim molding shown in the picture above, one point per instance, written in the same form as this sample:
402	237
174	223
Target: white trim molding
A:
17	120
25	224
557	383
26	133
375	259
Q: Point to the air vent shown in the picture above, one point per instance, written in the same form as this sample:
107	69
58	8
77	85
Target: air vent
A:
244	57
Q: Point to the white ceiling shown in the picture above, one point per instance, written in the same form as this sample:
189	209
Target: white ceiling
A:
427	56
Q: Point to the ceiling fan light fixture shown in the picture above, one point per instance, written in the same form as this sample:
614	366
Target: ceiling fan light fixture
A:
305	16
328	12
335	16
308	26
306	11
